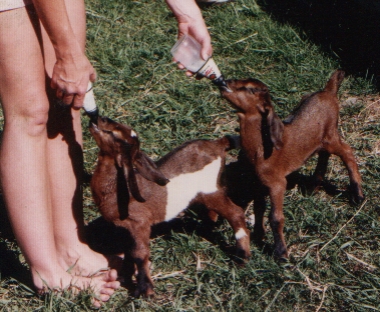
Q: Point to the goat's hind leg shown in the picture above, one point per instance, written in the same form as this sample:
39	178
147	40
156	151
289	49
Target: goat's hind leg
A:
222	205
344	151
320	171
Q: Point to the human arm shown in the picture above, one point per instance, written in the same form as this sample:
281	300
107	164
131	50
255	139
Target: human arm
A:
72	69
190	21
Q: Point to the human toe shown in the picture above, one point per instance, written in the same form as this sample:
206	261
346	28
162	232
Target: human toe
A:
112	285
110	276
107	291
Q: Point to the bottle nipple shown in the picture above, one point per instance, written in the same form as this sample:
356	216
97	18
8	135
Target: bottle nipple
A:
89	105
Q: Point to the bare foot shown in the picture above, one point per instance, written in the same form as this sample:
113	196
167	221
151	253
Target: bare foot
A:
102	284
83	261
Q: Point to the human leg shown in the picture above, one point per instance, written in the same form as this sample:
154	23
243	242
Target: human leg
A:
23	154
66	165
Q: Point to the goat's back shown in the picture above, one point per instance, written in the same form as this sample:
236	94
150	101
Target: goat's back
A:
321	106
193	156
313	122
193	168
319	110
315	109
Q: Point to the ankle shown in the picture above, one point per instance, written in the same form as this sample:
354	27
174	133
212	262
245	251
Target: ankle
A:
81	260
46	279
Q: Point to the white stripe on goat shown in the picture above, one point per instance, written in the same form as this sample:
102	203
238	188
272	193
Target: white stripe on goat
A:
240	234
183	188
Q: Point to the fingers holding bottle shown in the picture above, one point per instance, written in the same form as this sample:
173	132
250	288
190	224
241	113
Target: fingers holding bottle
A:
191	22
71	77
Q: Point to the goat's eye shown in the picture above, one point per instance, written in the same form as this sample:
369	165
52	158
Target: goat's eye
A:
249	90
255	90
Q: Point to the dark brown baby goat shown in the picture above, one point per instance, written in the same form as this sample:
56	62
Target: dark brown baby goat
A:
134	192
276	148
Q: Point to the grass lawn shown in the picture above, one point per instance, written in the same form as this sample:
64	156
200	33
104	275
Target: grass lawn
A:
334	247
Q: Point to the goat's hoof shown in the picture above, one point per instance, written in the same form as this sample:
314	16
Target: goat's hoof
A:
242	256
145	291
149	293
138	294
281	253
283	260
357	196
357	199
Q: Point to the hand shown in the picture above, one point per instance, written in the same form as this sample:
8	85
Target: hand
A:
190	21
71	74
198	30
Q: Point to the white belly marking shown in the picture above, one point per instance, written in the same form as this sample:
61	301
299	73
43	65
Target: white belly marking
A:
183	188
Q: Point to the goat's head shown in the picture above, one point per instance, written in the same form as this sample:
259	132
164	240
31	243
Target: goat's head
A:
251	98
121	143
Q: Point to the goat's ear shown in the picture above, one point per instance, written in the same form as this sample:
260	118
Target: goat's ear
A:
264	96
148	169
130	177
261	108
276	128
125	160
119	160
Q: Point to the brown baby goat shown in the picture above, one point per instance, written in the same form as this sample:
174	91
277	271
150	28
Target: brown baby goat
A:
134	192
276	149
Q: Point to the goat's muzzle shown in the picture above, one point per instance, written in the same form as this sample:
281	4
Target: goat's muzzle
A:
94	127
223	87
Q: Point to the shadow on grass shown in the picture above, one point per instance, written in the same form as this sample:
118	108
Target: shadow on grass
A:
349	29
10	265
106	238
307	187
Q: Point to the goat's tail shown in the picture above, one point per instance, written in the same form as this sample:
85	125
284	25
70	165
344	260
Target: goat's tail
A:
334	82
231	142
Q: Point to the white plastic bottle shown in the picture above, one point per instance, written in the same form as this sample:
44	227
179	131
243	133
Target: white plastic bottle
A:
89	105
187	51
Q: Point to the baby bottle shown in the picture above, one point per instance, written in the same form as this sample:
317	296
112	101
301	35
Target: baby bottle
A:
187	51
89	105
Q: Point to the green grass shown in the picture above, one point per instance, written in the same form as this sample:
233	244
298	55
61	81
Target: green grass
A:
334	246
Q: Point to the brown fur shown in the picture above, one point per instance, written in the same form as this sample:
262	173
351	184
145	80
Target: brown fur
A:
130	191
276	149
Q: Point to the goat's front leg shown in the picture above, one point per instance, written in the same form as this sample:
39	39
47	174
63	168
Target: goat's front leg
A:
276	216
222	205
213	216
140	254
259	210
